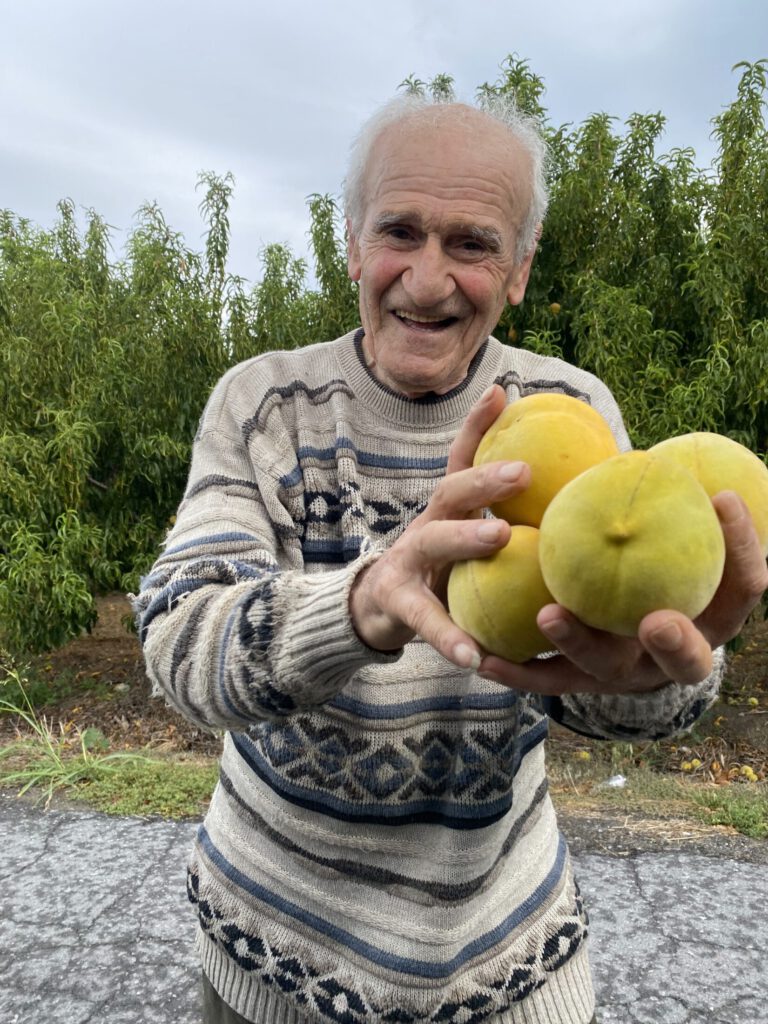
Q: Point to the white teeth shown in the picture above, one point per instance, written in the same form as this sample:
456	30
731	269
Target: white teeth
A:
419	319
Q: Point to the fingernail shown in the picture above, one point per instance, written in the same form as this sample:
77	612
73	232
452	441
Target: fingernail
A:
486	395
489	531
668	638
510	471
465	657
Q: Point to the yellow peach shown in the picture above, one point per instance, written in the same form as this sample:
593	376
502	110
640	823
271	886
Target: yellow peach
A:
634	534
558	436
719	463
496	599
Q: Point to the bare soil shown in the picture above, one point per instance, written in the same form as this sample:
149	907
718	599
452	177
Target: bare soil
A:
104	686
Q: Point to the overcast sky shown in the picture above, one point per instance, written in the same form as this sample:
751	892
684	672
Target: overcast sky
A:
114	104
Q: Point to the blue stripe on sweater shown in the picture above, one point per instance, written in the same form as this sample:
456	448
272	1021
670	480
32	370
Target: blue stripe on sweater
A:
222	571
449	813
362	457
245	570
212	538
252	638
331	552
390	961
223	651
405	709
167	600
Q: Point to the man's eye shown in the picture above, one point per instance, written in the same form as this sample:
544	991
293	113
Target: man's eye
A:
401	234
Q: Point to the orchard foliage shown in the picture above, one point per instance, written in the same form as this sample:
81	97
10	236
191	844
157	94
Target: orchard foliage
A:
660	271
651	272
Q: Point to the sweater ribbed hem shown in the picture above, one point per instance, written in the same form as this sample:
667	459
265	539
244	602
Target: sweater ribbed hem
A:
566	998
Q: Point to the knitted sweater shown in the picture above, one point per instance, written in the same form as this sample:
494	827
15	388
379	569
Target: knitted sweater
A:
381	845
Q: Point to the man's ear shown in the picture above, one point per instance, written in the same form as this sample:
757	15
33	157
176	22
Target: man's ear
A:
353	254
522	272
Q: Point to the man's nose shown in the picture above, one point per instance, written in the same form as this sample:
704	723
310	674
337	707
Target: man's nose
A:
428	279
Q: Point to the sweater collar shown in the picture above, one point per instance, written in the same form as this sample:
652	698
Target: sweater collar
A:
430	409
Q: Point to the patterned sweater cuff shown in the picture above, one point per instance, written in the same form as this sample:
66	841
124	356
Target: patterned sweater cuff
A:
321	651
665	712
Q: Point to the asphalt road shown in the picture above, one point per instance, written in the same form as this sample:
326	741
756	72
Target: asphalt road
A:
95	927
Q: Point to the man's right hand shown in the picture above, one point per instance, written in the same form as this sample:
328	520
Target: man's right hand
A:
401	594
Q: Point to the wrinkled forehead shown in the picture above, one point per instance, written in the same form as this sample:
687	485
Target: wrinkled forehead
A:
442	148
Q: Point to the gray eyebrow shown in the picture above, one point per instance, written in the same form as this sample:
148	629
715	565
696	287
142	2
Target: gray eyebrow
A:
390	220
489	237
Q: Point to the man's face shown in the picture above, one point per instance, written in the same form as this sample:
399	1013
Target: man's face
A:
435	256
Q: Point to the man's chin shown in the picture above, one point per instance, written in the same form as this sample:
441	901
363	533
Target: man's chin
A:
419	362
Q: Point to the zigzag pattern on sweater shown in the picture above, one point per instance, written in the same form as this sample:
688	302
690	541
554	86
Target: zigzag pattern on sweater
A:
459	779
333	1000
278	395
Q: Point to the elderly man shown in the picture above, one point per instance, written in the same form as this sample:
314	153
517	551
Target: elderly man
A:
381	845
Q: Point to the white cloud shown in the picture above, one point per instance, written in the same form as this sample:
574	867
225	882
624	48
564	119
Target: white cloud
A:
115	104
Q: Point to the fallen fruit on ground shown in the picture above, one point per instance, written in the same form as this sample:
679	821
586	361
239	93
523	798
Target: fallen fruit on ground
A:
719	463
558	436
632	535
496	599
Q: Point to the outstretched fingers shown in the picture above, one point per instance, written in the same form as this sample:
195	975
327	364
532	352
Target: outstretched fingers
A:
550	677
428	619
587	660
399	595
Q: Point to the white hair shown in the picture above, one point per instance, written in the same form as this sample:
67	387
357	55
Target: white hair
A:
500	109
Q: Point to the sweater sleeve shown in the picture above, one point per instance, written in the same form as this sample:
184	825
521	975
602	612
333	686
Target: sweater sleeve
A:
665	712
234	629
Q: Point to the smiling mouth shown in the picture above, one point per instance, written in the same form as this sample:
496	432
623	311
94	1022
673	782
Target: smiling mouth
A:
417	322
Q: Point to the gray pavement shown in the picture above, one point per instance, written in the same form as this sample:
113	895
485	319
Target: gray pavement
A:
95	927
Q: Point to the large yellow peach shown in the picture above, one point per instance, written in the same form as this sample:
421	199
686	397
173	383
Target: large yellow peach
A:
634	534
558	436
496	599
719	463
